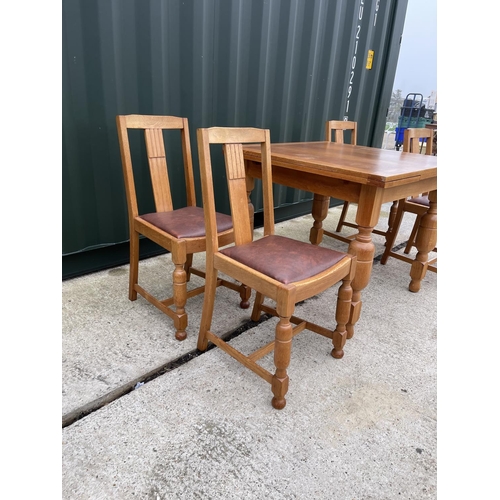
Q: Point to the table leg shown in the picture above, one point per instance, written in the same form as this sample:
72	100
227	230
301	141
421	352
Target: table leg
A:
425	241
319	212
362	246
364	249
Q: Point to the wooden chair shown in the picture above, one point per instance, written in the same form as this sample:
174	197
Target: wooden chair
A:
285	270
181	231
417	205
340	128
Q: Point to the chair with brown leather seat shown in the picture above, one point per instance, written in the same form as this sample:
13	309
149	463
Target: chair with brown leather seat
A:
181	230
418	204
340	128
284	270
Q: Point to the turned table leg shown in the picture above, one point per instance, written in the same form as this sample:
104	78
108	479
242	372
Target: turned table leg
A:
367	215
364	249
319	213
425	242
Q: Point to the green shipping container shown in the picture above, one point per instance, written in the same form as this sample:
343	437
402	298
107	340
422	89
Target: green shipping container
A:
286	65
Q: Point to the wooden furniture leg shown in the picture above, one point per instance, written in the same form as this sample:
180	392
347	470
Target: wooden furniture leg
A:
392	216
180	298
342	315
188	265
367	215
282	352
134	264
319	213
425	242
208	306
390	237
342	217
364	249
413	233
250	184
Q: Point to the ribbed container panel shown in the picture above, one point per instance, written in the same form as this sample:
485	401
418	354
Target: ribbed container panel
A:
286	65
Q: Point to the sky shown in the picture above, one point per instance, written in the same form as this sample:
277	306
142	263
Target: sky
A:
417	64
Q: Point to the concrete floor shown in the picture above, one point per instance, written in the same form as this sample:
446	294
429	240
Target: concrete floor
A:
363	427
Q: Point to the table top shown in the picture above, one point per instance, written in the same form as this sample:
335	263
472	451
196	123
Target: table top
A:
360	164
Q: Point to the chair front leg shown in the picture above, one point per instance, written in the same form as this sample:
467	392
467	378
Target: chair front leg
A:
180	298
282	352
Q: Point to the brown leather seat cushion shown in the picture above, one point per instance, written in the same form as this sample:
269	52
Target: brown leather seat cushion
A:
284	259
420	200
186	222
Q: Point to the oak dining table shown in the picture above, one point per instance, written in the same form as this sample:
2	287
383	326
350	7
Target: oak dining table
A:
366	176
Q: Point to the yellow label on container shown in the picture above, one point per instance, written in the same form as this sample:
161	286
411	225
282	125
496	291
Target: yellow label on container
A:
369	59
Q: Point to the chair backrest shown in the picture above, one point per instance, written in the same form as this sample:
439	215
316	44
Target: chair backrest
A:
232	139
410	145
153	127
340	127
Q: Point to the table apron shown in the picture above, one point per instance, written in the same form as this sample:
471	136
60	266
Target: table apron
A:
337	188
411	189
306	181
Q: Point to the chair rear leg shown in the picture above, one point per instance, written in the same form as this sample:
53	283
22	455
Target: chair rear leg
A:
245	293
188	265
392	233
180	298
208	307
259	299
411	239
343	215
392	216
134	264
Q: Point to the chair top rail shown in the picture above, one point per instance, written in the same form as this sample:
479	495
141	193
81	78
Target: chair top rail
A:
153	121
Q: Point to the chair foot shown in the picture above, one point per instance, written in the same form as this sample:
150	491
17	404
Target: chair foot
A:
180	298
181	335
202	344
278	404
245	293
180	325
279	387
337	353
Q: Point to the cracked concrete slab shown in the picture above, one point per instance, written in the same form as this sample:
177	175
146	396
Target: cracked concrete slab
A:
360	427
